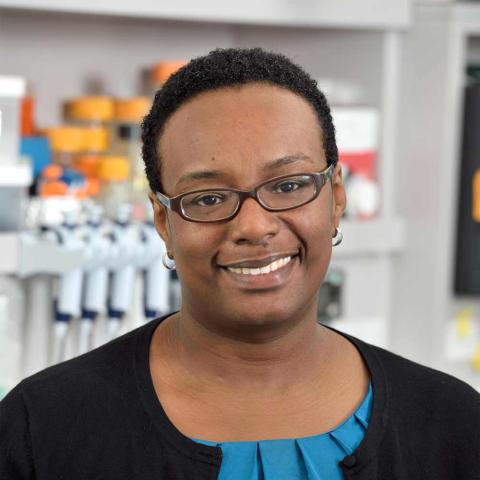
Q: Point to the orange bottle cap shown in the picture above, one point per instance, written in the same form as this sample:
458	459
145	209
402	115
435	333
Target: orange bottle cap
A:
66	138
87	165
163	70
92	187
97	139
81	193
132	109
90	109
52	172
112	168
53	189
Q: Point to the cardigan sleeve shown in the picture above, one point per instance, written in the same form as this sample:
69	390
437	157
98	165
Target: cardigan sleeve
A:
16	461
467	438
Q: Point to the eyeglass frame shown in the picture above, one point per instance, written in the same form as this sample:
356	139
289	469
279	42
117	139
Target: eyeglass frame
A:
175	203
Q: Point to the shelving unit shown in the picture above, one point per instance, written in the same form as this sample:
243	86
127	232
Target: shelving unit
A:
435	53
379	14
67	48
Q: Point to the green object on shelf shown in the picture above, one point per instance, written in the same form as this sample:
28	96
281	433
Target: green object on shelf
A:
3	392
473	72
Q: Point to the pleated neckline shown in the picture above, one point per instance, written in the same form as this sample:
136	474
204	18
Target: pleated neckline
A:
315	457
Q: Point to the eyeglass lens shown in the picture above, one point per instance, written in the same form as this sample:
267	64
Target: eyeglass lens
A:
280	194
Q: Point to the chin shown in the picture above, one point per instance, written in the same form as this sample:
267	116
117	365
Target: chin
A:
256	319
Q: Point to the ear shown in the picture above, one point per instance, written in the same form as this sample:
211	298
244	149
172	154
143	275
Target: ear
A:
339	197
160	220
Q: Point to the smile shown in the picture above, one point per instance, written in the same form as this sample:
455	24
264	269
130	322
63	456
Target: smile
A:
271	267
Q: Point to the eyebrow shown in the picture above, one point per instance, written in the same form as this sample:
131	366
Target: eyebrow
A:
215	174
287	160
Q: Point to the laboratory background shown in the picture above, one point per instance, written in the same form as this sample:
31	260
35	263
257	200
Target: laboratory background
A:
80	260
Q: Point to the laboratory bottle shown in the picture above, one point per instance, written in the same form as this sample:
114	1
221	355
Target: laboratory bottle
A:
50	182
161	72
129	114
95	114
27	126
91	111
55	196
113	173
87	164
66	143
57	181
96	145
96	140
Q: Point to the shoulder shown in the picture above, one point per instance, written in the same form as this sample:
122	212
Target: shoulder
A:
426	382
422	393
90	377
418	393
433	415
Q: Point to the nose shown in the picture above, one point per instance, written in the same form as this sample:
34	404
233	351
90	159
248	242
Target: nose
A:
253	224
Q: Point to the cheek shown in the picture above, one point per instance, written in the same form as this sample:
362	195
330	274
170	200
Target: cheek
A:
314	227
318	240
194	245
314	224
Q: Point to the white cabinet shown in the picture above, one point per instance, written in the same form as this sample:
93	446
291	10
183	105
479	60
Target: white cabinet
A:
436	52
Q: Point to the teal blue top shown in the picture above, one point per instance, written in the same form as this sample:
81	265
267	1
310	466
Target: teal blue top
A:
307	458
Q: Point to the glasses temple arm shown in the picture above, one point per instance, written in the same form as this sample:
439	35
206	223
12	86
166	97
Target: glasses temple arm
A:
163	200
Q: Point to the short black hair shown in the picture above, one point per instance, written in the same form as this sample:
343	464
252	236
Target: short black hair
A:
227	68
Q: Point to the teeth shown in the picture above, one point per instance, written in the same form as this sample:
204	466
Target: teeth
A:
281	262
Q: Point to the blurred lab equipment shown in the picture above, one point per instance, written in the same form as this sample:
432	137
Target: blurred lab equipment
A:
155	275
467	265
69	293
113	173
122	267
95	281
127	142
357	141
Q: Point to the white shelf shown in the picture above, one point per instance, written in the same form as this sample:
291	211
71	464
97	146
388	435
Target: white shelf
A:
12	86
369	329
378	14
23	255
15	175
10	257
370	237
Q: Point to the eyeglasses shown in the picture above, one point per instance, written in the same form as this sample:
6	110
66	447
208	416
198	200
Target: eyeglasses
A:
275	195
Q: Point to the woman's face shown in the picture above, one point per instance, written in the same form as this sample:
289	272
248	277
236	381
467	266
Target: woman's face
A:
239	137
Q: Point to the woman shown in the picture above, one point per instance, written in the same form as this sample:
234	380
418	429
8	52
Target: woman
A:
241	383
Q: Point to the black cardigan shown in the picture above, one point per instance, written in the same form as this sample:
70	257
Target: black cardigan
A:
97	417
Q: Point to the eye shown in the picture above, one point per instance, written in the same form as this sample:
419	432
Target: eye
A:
287	186
208	200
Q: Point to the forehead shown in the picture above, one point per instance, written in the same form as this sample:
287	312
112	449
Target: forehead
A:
238	130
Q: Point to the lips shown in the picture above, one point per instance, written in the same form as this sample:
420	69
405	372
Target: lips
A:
253	263
271	267
264	278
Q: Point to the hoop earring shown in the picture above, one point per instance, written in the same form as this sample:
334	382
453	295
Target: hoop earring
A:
337	239
168	263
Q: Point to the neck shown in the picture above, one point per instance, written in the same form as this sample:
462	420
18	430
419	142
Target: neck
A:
278	361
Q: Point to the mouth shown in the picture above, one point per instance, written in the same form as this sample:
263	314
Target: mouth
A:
261	274
270	267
